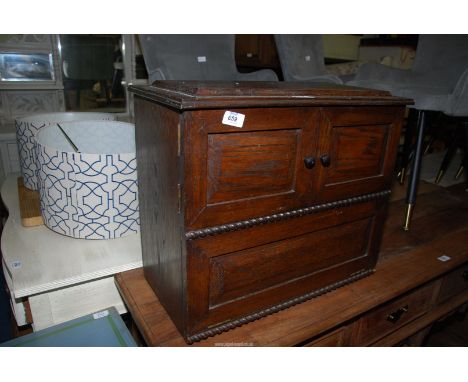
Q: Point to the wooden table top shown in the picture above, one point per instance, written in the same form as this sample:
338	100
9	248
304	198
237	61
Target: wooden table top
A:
407	260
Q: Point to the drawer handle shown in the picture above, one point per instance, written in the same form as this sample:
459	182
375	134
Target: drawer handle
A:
325	159
396	315
465	275
309	162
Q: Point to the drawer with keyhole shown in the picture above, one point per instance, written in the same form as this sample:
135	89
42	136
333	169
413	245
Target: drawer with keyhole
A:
392	316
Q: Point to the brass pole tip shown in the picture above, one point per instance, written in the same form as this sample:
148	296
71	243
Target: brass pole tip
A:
409	214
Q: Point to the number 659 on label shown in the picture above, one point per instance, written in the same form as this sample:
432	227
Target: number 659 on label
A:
232	118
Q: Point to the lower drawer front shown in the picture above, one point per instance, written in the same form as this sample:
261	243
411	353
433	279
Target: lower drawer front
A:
275	263
454	283
240	274
336	338
391	316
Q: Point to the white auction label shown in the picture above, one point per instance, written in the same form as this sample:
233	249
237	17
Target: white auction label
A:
201	58
444	258
102	314
232	118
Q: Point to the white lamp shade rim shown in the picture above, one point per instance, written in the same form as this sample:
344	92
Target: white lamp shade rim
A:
90	137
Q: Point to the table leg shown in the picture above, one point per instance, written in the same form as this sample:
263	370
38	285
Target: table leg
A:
465	155
407	144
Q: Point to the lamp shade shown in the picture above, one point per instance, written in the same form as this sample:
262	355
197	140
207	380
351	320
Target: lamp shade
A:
90	193
26	130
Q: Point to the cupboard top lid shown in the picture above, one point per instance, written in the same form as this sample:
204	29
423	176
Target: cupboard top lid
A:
220	94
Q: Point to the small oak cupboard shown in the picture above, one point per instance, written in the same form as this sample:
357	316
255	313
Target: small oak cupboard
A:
256	196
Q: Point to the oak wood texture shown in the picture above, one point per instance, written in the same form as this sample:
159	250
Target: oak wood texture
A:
408	261
30	208
197	173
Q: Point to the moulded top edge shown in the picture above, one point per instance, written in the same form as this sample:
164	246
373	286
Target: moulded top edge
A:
202	94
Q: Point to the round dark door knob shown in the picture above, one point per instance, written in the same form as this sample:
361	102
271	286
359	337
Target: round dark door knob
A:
325	159
309	162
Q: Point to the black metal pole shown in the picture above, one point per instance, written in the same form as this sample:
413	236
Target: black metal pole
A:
411	125
465	154
414	178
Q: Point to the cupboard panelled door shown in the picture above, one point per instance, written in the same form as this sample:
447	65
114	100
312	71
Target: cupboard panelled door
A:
250	171
357	150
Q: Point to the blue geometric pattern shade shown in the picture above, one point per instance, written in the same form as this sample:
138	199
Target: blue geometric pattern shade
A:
27	129
88	196
25	133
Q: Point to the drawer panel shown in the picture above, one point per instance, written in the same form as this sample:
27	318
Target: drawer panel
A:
454	283
243	273
237	273
393	315
240	173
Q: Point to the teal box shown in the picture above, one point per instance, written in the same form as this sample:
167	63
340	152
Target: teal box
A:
102	329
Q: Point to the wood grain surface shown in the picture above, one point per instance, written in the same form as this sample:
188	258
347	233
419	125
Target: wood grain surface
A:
30	206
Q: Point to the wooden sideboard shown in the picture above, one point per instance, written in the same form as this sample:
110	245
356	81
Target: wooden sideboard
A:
411	289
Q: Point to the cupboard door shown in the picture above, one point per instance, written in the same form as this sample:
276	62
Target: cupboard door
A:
357	150
264	167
